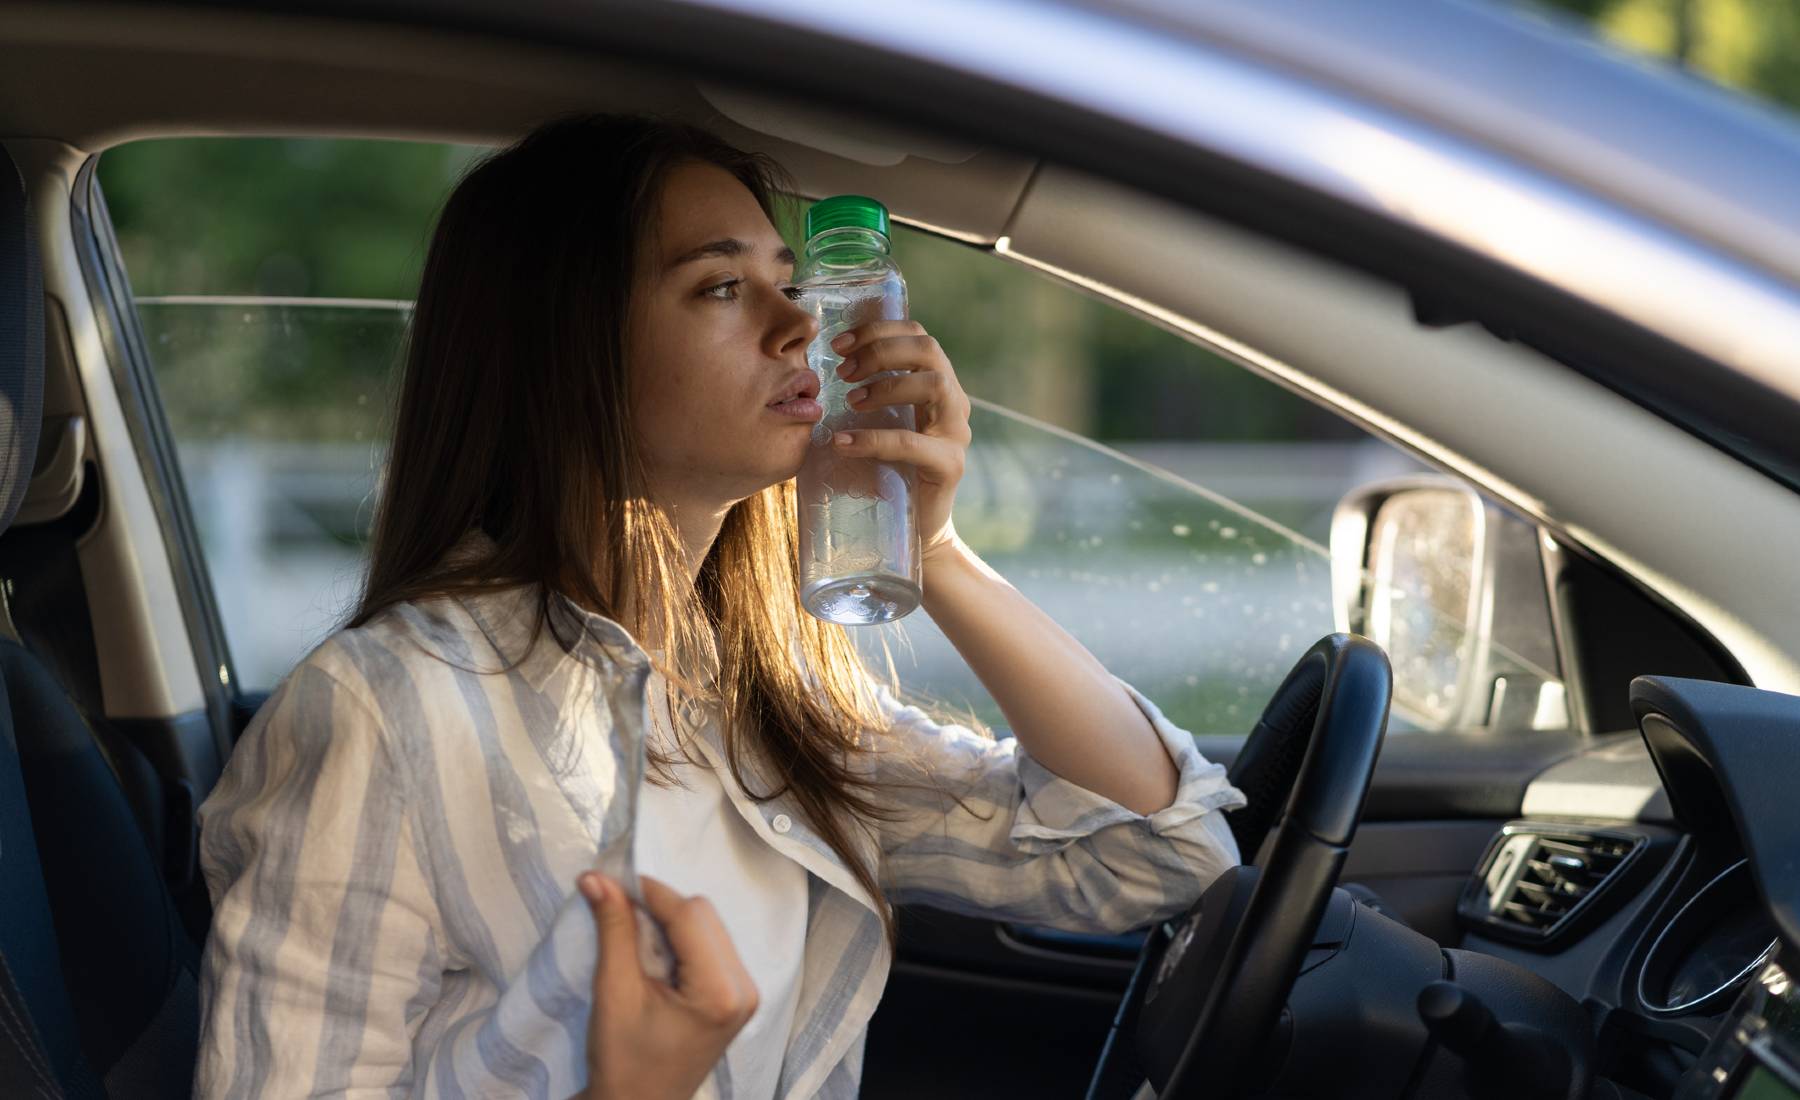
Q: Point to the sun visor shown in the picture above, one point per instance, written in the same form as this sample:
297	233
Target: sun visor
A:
935	182
831	132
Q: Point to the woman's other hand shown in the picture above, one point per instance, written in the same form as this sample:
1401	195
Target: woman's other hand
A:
647	1039
940	446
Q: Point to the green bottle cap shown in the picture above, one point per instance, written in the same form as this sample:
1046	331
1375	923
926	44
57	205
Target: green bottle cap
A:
846	212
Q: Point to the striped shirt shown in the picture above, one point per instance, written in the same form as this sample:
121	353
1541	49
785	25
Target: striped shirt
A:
391	856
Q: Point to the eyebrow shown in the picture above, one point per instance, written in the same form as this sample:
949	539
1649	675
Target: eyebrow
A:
728	246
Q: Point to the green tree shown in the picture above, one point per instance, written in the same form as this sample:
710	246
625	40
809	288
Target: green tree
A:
1749	45
277	216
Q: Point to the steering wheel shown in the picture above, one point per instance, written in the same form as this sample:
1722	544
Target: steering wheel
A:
1208	989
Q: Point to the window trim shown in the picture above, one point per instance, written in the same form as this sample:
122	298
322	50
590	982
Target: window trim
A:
127	357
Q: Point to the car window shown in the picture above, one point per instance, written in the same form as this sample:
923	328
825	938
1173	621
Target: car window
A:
276	406
272	279
1200	602
1168	507
1174	511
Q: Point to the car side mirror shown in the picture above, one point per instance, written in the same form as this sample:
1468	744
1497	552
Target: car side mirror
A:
1452	587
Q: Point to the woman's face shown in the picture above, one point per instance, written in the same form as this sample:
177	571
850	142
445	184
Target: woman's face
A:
713	341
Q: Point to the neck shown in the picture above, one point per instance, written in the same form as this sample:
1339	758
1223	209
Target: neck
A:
697	525
696	528
697	521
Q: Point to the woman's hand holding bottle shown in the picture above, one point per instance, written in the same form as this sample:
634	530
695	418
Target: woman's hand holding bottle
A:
647	1039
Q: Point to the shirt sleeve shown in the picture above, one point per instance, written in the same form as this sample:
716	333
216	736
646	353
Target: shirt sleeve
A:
325	944
1028	845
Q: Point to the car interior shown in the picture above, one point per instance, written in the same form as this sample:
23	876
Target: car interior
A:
1590	905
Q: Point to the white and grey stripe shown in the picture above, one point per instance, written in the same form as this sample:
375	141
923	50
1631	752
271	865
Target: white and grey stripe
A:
392	851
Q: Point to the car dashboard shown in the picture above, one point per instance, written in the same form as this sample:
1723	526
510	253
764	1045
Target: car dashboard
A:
1656	879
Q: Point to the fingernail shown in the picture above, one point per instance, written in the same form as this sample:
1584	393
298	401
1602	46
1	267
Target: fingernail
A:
842	439
842	341
857	394
589	884
845	368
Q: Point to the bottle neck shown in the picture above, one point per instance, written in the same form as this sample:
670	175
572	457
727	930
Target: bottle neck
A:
846	244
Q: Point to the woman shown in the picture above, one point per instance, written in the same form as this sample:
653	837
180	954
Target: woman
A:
584	553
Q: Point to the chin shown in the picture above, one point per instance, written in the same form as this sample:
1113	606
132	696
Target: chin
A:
796	452
779	458
770	478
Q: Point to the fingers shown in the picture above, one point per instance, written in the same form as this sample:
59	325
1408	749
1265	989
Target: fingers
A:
662	900
935	395
937	460
917	388
851	339
907	353
713	979
618	973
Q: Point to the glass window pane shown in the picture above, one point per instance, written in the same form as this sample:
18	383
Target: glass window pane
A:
1167	507
273	279
277	410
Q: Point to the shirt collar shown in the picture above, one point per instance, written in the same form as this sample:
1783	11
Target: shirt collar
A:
506	618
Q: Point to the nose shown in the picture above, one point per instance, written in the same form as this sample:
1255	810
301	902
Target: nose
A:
792	329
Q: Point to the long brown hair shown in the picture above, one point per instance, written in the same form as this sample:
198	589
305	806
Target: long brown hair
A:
513	416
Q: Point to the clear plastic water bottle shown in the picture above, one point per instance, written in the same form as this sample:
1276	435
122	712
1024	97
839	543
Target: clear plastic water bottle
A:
859	540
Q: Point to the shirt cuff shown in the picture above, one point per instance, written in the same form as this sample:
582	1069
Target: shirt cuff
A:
1056	812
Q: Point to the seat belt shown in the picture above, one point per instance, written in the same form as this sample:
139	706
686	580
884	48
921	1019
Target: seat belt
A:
22	1059
25	1063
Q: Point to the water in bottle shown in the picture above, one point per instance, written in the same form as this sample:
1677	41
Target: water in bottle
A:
859	548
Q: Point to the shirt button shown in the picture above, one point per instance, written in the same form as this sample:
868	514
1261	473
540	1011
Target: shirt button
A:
781	823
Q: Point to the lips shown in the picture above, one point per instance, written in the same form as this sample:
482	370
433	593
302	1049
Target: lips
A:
798	399
801	384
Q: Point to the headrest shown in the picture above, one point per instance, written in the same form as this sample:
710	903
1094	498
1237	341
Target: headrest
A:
21	340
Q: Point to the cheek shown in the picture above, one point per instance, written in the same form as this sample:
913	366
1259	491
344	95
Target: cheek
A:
698	392
682	416
659	365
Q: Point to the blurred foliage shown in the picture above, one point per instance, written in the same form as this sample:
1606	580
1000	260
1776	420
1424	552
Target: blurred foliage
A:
1749	45
322	373
352	219
271	216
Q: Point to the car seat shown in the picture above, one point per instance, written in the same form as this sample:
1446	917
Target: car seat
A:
99	993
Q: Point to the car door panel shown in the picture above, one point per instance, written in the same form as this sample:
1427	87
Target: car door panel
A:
980	1008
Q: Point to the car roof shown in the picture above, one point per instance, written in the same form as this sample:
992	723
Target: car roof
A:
1544	89
1536	87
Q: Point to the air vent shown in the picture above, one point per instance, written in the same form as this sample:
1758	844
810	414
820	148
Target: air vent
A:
1535	882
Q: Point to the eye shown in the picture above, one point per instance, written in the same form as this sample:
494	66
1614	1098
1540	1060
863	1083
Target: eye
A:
727	291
